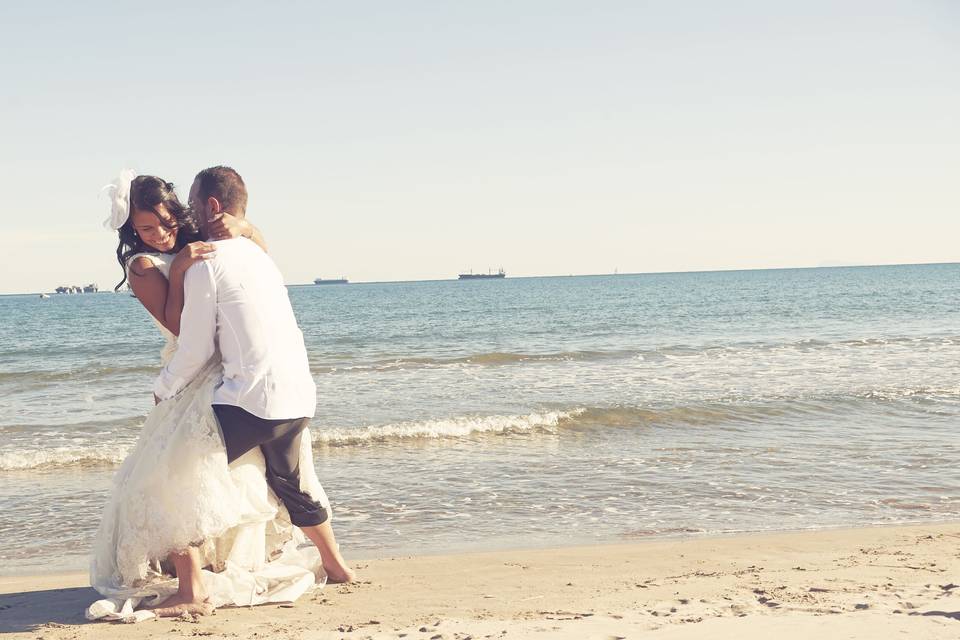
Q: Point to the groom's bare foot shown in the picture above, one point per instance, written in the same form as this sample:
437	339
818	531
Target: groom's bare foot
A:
340	574
333	563
179	604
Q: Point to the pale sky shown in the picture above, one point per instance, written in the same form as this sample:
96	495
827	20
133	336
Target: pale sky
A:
415	140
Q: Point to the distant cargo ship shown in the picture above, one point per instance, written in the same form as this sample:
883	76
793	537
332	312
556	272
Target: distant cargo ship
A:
483	276
331	281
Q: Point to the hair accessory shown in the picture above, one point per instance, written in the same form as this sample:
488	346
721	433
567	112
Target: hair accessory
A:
119	193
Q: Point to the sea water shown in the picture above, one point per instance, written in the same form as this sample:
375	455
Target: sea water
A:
546	411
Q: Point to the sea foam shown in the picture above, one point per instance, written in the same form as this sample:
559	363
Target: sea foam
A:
453	427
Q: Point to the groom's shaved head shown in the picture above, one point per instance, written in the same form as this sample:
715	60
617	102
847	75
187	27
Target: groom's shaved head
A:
226	185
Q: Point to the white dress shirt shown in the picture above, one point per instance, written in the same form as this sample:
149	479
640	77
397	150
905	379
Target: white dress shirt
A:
237	301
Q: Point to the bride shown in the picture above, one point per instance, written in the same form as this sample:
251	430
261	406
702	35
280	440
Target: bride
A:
175	492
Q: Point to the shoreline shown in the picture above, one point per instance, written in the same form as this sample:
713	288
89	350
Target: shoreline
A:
864	582
545	545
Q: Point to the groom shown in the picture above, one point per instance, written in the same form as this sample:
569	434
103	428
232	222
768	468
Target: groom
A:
236	300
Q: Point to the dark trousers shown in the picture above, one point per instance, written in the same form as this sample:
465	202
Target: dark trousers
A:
279	440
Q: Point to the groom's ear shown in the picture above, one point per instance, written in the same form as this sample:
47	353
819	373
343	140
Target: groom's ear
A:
215	207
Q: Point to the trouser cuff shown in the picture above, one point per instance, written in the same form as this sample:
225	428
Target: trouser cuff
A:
310	518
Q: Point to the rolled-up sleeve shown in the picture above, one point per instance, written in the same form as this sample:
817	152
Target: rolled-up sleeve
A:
198	329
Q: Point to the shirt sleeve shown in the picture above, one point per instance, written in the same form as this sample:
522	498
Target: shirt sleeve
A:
198	329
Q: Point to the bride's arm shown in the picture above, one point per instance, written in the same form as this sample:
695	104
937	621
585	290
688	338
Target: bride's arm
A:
150	287
257	237
173	306
230	226
161	297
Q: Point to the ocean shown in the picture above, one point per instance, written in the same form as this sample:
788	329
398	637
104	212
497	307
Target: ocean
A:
456	416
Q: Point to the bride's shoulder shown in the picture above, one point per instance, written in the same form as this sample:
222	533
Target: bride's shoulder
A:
145	260
144	256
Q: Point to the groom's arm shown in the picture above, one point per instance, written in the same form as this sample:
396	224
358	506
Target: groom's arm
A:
198	329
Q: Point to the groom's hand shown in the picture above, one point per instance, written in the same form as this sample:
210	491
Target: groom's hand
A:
224	226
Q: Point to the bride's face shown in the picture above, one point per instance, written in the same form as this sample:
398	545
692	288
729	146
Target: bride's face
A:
157	230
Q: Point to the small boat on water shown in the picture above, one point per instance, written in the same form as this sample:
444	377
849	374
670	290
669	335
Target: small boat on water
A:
340	280
483	276
90	288
44	295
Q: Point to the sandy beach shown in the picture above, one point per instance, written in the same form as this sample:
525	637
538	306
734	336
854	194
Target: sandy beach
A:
885	582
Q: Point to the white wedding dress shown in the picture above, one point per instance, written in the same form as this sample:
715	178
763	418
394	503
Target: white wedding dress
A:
175	489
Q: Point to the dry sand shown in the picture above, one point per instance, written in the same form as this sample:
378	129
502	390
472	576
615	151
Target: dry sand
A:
891	582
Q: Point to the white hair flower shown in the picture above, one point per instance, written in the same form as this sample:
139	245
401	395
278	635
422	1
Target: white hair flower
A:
119	193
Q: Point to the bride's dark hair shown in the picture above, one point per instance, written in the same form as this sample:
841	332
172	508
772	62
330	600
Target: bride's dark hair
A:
146	194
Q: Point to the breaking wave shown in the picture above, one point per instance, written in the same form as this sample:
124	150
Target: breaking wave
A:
83	457
106	452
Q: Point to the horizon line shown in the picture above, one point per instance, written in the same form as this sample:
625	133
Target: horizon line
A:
588	275
652	273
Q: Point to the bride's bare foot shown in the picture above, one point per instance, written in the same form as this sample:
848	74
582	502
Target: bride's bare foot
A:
191	597
178	605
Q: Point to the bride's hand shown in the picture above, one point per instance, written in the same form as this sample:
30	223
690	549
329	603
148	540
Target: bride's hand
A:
192	253
225	226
